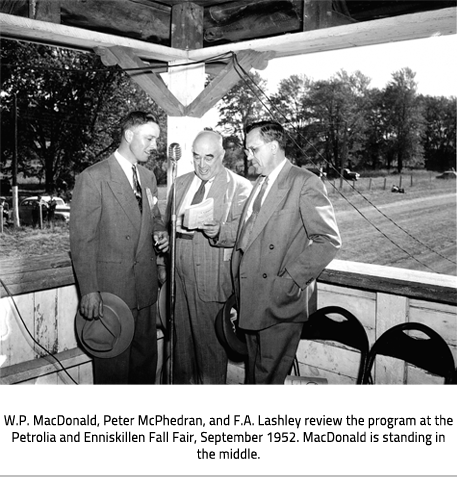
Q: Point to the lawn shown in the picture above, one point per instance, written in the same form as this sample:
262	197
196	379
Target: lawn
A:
426	211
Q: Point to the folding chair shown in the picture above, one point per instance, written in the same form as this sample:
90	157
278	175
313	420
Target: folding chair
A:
431	354
326	324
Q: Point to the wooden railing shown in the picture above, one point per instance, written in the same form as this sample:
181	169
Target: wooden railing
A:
44	292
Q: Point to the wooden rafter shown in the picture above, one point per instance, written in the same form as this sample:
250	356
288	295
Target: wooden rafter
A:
225	80
152	84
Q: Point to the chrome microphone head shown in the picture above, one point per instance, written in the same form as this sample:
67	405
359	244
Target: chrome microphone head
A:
174	151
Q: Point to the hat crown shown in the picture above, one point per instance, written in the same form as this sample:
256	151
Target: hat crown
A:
102	333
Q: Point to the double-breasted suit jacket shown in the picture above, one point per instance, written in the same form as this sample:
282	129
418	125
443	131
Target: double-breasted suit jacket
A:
212	259
293	239
111	242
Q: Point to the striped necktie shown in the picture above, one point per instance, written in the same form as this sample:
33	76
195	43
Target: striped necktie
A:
137	189
249	223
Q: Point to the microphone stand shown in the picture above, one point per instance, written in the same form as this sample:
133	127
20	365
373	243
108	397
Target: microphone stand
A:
171	318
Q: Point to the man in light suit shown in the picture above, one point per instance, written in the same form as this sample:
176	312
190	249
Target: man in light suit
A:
203	281
114	221
287	236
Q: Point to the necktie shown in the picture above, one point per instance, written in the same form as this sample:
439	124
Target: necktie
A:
200	194
249	224
137	189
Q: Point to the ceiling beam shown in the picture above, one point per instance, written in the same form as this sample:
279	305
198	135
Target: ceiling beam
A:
373	32
21	28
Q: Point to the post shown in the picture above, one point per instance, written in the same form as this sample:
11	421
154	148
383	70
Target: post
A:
14	189
369	185
399	185
411	180
385	182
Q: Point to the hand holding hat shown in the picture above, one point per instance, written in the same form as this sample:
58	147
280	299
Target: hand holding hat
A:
109	334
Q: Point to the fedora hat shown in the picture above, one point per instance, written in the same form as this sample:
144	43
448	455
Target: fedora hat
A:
162	305
227	331
109	335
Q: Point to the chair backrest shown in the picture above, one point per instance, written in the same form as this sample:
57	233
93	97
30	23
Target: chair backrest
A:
347	330
431	354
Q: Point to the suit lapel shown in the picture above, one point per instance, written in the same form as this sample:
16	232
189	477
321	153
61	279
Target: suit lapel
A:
123	193
182	186
277	192
217	192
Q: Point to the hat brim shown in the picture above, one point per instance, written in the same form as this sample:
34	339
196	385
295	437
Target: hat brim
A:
119	307
227	331
162	317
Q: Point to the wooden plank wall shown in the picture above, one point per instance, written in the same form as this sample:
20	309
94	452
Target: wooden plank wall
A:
377	313
49	316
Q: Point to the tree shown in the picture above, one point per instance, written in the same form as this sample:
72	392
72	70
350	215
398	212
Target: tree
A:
404	119
239	107
439	138
69	105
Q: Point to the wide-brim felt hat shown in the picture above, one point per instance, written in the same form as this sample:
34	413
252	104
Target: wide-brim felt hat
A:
109	335
227	330
162	302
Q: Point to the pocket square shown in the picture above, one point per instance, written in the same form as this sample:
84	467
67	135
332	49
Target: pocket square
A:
152	200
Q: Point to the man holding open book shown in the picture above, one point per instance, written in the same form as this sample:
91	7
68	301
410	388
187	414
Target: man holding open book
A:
209	202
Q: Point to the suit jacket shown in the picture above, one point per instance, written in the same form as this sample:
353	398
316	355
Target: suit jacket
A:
294	237
111	242
212	259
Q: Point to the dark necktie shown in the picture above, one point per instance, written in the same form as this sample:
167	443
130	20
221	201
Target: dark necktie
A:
137	189
200	194
249	224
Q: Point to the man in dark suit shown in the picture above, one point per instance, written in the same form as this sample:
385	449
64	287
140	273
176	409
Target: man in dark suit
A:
114	221
203	281
287	236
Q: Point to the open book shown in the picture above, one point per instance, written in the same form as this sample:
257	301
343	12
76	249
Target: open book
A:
198	214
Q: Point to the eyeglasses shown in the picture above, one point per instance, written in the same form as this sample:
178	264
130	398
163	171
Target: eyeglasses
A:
253	150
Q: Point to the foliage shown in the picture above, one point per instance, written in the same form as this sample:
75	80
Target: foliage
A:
68	107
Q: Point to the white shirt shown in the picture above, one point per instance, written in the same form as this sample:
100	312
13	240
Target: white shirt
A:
271	179
126	166
193	188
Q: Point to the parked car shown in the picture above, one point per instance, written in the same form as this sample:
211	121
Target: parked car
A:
316	170
27	206
447	175
350	175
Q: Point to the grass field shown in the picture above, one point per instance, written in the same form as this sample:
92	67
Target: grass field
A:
421	223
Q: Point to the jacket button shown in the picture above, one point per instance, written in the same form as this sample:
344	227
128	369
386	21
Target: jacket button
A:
127	237
264	275
272	246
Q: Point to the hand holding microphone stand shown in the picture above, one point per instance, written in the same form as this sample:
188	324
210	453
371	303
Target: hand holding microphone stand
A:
174	154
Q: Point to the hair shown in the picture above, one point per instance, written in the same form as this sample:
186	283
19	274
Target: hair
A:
136	118
270	131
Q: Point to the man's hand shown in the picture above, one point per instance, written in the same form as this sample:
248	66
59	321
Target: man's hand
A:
212	228
161	241
91	306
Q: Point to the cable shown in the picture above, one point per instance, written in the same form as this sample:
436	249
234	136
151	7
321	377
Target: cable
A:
144	69
237	65
30	334
339	174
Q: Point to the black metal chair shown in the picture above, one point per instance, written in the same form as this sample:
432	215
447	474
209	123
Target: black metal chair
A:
348	331
431	354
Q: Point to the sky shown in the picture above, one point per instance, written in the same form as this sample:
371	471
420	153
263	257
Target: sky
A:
432	59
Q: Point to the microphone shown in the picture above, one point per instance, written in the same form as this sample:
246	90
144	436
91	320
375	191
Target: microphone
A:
174	152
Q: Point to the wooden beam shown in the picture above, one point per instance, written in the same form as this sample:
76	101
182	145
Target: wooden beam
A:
187	26
149	82
227	78
387	30
140	19
21	28
46	10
